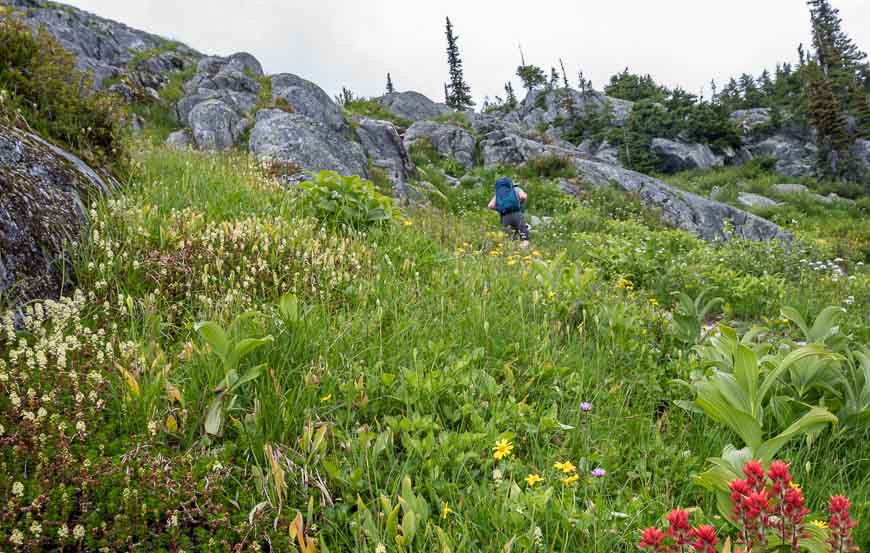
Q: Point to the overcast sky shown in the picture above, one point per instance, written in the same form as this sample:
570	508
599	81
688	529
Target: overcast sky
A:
354	43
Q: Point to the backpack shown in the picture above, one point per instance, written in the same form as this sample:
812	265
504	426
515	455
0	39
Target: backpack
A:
506	198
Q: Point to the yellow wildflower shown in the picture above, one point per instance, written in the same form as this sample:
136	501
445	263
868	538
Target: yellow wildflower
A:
570	479
407	222
533	479
551	295
819	524
445	510
654	302
536	253
503	448
325	398
624	284
794	486
567	467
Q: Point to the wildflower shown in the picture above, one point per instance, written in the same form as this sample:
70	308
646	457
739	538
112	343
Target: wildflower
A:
381	548
36	529
445	510
585	406
598	472
17	538
794	486
326	398
654	302
63	531
679	529
570	479
79	532
652	538
840	523
706	539
407	222
80	426
538	536
152	428
567	467
18	489
533	479
503	448
819	524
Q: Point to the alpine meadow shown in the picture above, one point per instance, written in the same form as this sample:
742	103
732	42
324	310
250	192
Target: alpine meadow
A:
241	314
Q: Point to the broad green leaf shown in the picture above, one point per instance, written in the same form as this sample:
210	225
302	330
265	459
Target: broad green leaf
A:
244	347
825	324
252	374
216	338
794	316
815	419
746	373
214	416
717	408
812	350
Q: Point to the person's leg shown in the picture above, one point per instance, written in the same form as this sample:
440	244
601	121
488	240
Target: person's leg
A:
511	223
522	230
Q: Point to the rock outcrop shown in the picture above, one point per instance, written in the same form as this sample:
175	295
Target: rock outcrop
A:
705	218
45	191
311	145
450	141
232	81
382	144
795	157
754	201
412	106
215	126
679	156
544	107
102	47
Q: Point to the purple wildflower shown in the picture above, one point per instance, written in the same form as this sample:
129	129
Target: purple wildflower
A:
599	472
585	406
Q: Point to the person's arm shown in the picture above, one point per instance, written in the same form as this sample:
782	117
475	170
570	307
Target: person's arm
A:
492	204
521	194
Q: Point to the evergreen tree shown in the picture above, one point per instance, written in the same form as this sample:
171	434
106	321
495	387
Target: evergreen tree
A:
532	76
459	93
554	79
390	88
510	96
827	118
446	94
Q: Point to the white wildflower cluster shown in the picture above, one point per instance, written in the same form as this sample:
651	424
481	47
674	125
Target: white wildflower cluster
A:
830	268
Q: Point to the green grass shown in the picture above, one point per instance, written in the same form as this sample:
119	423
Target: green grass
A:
413	349
374	110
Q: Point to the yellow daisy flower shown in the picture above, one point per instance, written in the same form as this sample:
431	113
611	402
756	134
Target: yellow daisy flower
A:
503	448
567	467
533	479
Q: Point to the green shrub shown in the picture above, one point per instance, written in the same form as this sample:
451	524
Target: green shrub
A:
549	167
346	201
41	89
454	118
374	110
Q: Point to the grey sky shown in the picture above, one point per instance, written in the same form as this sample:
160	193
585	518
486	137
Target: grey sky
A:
355	43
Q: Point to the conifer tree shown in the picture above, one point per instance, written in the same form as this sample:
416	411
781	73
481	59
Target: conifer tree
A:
532	76
510	96
458	92
564	75
554	79
827	118
390	88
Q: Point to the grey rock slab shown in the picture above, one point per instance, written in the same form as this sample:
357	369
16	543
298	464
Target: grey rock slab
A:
179	140
450	141
679	156
42	212
294	138
308	99
384	147
705	218
412	106
215	126
750	200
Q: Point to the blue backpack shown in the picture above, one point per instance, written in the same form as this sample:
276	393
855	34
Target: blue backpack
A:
506	198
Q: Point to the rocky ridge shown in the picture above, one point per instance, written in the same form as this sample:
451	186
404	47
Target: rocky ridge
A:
289	120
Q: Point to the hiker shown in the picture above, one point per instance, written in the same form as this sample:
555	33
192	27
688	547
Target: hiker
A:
508	201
